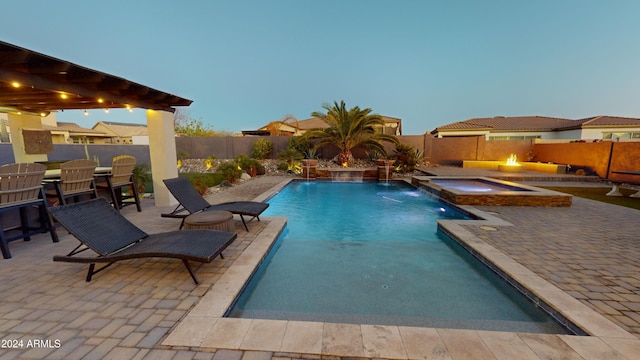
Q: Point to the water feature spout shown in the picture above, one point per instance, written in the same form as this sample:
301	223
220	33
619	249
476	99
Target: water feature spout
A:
346	175
386	171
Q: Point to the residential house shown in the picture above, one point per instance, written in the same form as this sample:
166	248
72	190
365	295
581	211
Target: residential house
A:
544	128
393	126
61	132
123	133
72	133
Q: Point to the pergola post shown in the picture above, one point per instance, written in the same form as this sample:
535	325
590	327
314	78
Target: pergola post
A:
16	124
162	151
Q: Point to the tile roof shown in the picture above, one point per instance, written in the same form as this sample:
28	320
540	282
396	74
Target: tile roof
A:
608	121
125	129
72	128
317	123
512	123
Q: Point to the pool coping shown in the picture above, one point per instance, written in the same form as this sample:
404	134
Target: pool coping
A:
205	326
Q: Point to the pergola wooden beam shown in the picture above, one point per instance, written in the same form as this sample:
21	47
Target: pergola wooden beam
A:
44	79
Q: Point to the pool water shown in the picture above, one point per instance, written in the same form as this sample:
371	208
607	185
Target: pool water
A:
370	253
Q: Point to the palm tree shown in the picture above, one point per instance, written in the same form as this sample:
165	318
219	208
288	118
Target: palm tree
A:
349	129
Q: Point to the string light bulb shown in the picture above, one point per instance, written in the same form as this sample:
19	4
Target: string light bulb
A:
15	84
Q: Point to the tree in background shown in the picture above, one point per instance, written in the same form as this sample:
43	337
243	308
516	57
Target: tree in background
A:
350	128
187	125
288	121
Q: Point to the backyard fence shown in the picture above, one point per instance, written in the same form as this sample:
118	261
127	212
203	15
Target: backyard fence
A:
601	158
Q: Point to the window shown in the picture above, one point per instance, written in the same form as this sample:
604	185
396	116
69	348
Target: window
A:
620	135
524	137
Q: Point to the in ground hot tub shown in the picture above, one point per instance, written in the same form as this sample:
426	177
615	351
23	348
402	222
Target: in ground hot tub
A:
487	191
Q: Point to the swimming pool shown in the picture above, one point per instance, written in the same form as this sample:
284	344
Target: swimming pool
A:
370	253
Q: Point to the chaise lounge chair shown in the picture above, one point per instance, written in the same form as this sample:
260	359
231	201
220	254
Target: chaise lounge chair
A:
101	228
191	202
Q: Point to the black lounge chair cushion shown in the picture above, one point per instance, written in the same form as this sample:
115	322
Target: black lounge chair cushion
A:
194	245
191	201
101	228
252	208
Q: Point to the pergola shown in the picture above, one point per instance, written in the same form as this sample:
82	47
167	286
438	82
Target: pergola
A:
33	84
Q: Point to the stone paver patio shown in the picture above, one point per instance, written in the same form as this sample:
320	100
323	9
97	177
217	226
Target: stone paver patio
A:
585	257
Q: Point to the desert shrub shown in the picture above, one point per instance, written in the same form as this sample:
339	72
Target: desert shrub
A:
229	171
203	181
261	149
209	161
251	166
283	166
407	158
291	157
300	144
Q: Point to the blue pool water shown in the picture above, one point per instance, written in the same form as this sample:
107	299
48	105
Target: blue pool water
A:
370	253
476	185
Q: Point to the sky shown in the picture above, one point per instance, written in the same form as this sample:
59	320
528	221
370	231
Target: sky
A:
430	63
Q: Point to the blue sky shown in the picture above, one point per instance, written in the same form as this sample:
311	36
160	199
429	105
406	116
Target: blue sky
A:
430	63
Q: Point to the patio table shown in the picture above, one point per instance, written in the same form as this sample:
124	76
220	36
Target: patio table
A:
54	174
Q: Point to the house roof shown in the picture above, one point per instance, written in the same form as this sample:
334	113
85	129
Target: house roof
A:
511	123
124	129
610	121
72	128
33	83
317	123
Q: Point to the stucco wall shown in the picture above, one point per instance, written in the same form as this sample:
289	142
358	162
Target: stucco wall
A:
592	155
452	150
602	157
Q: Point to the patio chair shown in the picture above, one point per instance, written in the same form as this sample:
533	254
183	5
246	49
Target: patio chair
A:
21	188
121	176
101	228
190	201
76	178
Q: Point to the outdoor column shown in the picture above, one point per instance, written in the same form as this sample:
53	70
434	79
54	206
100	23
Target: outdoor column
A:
162	151
16	124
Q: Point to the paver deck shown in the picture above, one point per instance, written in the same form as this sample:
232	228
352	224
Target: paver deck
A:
588	253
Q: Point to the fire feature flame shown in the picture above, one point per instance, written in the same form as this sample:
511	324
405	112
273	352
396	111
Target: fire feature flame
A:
344	164
512	160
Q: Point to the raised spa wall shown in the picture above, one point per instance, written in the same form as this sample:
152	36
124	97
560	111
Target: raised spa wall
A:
533	196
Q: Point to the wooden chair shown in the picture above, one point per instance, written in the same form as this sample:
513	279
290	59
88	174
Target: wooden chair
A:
121	176
21	188
76	178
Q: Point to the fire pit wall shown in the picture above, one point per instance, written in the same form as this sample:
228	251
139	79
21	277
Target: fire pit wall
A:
530	166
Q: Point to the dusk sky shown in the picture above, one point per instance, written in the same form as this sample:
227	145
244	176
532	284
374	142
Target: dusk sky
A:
430	63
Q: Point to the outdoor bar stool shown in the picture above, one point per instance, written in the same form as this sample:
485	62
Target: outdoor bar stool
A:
20	189
121	176
76	178
210	220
